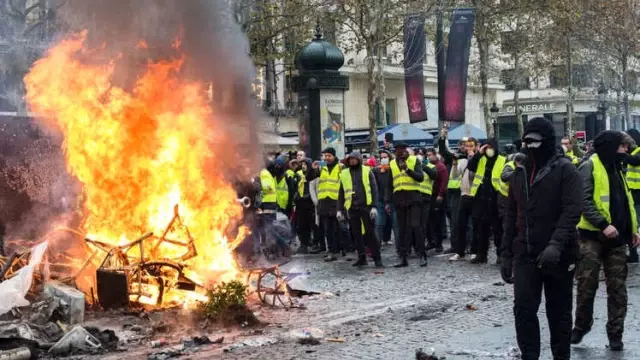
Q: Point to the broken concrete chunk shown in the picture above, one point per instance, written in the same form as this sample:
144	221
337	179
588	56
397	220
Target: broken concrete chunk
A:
21	353
72	299
76	340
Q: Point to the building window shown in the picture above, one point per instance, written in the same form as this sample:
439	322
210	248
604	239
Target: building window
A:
511	80
582	77
391	113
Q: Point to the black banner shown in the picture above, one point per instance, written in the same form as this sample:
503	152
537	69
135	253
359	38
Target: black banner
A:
440	62
455	86
414	52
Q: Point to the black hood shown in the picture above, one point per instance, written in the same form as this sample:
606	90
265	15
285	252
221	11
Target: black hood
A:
493	143
540	156
635	135
606	145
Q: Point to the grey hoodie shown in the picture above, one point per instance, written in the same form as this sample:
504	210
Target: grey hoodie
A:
358	199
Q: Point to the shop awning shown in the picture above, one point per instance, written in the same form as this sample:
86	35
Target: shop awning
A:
466	130
406	133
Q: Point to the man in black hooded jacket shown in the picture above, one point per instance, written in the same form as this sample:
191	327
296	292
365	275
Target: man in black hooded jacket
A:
539	246
633	180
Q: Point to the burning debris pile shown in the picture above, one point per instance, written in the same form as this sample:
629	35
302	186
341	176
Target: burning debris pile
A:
156	133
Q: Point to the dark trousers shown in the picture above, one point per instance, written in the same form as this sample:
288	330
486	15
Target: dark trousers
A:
529	282
305	217
332	232
358	218
318	234
410	229
465	211
436	220
452	202
593	256
488	223
424	219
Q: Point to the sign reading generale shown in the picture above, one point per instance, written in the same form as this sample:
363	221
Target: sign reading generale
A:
548	107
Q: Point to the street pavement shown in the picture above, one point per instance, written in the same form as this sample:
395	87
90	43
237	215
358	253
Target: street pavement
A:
461	310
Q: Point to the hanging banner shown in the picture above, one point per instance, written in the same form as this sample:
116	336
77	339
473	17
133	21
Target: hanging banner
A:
414	52
455	85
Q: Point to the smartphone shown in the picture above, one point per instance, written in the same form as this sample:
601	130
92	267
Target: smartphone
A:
322	163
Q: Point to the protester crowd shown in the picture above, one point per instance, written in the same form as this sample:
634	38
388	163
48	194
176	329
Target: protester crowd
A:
554	213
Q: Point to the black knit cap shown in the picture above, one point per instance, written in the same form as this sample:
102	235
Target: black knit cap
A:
541	126
329	150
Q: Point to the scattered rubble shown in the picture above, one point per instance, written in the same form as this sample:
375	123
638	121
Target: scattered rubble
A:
21	353
253	342
421	355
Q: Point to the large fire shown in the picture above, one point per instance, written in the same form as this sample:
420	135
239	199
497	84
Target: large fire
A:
139	153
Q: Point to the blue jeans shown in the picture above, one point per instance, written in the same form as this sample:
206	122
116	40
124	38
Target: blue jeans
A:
385	223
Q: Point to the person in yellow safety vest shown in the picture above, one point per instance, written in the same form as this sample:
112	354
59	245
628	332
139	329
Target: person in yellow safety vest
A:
328	171
404	191
358	194
567	148
305	209
633	180
485	215
285	186
607	223
463	227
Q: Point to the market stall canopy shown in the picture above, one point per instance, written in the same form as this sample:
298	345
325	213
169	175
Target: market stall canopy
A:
466	130
275	139
406	133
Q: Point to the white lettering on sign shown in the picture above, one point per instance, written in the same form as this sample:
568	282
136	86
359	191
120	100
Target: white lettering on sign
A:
533	108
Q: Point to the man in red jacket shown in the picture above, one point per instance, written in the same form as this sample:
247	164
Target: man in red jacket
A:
436	214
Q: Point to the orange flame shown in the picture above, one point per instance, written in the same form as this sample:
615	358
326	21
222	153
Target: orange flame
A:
138	152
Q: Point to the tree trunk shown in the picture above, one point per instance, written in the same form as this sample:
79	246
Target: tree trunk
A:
381	96
516	94
371	96
483	49
570	126
625	90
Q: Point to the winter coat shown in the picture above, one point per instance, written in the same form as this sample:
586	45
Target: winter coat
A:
543	211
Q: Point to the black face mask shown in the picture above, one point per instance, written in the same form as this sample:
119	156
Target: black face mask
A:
620	157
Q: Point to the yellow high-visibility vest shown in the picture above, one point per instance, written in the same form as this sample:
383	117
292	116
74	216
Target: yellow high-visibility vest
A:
268	185
329	183
601	197
290	173
478	176
301	180
402	181
347	186
504	187
282	193
426	186
454	182
497	183
633	173
574	159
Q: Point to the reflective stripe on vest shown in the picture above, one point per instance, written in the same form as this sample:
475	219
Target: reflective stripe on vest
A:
601	197
402	181
282	193
479	175
426	186
347	186
633	173
329	183
268	185
497	183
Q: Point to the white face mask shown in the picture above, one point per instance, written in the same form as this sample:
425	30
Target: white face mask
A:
564	148
384	161
490	153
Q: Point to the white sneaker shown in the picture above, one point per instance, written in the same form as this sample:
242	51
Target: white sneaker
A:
473	257
456	257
